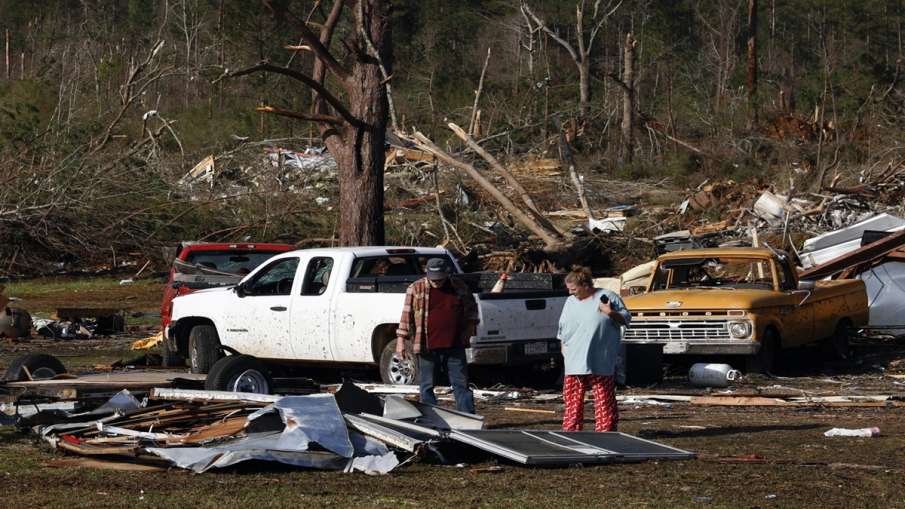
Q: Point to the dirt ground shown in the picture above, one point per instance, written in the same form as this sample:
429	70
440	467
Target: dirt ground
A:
747	456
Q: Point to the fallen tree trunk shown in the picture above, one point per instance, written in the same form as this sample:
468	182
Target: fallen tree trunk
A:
552	239
510	178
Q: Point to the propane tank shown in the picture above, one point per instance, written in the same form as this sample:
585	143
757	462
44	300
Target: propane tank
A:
712	375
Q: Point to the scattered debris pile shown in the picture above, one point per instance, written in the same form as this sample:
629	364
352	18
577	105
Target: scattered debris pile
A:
353	430
82	323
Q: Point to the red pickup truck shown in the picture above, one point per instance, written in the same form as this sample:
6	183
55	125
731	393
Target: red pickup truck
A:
200	265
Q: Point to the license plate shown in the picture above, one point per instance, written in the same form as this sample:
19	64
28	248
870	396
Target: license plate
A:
535	348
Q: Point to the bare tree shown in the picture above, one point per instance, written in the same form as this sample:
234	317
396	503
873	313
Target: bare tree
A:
752	62
585	38
628	99
353	129
720	18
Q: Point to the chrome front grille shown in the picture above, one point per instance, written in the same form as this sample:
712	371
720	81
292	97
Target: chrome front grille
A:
677	330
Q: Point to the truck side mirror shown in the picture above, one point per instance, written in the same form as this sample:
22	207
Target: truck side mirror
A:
807	285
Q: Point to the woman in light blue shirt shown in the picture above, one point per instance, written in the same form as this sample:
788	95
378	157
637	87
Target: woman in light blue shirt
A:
589	328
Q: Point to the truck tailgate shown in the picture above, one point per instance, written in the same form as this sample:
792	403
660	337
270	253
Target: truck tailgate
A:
519	316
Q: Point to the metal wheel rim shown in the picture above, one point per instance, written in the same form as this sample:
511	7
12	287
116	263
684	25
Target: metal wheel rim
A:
401	371
250	380
43	373
194	357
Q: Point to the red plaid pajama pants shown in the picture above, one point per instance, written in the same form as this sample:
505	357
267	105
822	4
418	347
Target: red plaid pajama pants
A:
606	413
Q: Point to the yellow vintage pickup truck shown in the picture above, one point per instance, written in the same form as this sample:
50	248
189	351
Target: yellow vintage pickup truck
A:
742	301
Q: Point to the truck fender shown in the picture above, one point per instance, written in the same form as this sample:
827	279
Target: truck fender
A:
181	329
382	334
776	325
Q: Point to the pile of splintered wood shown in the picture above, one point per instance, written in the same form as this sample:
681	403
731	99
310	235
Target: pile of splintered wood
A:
168	424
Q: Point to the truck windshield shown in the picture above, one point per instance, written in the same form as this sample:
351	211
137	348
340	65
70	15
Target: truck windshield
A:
730	273
231	262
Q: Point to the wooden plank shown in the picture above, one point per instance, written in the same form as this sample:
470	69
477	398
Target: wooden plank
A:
221	429
738	401
87	450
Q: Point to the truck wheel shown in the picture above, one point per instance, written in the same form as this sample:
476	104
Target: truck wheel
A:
395	370
837	346
643	364
204	348
34	366
764	361
239	373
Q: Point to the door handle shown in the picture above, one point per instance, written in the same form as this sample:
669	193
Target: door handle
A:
278	308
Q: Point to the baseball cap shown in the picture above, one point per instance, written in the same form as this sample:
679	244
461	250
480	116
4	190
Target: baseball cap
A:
436	269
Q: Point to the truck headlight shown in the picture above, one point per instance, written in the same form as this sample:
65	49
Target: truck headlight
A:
740	329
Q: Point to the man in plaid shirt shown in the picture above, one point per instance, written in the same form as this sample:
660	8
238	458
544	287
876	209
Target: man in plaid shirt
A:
439	316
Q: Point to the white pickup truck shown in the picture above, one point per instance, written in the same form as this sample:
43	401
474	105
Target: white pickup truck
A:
342	306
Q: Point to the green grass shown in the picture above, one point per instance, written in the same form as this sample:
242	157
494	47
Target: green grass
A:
48	286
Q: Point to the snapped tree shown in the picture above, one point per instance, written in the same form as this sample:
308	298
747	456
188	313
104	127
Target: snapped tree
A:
352	117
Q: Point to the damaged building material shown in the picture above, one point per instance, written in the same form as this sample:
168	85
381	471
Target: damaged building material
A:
82	323
538	447
205	430
879	264
305	431
823	248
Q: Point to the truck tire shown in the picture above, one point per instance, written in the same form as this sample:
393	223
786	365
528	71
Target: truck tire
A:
643	364
239	373
764	361
394	370
204	348
34	366
838	346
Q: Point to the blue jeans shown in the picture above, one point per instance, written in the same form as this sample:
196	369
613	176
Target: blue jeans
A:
457	370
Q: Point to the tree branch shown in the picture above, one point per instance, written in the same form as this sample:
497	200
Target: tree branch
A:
321	51
318	72
311	117
510	178
304	78
562	42
551	239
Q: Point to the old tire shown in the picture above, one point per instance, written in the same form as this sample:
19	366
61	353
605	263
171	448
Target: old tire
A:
34	366
838	346
394	370
204	348
764	362
15	323
239	373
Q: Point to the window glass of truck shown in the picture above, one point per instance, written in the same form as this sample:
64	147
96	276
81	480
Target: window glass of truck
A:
233	262
274	279
317	276
393	265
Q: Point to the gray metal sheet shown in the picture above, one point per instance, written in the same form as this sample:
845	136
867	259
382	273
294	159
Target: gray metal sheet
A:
397	407
404	427
541	447
880	222
384	433
885	285
446	418
629	447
